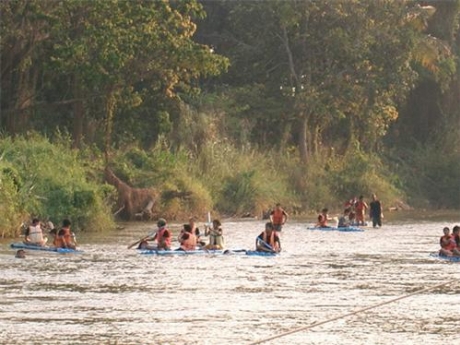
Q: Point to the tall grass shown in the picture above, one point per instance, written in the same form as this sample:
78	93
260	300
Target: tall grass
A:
52	182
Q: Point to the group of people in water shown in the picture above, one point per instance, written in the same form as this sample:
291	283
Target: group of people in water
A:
190	236
450	242
62	238
354	213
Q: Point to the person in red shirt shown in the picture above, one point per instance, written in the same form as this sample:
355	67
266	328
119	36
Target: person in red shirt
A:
447	243
278	217
64	237
162	237
360	209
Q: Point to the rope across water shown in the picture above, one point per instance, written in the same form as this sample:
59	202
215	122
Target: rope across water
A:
350	314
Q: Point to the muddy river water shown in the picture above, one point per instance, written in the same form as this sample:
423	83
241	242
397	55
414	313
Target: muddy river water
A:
112	295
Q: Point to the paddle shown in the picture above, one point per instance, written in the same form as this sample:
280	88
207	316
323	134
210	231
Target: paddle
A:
142	239
267	245
230	251
209	223
74	237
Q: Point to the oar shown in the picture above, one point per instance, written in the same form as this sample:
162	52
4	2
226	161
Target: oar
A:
142	239
209	220
233	251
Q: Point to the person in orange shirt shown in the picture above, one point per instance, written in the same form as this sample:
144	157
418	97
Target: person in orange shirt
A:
188	239
64	237
162	236
360	209
278	217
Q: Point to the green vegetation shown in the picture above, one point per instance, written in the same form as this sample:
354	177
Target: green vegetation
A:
49	181
226	105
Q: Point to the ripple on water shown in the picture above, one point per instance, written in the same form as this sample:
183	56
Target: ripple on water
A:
111	295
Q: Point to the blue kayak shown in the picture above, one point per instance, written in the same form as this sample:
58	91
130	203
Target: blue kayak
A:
179	252
448	258
334	228
204	252
257	253
21	245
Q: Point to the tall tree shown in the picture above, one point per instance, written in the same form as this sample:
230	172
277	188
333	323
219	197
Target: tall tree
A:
340	67
111	55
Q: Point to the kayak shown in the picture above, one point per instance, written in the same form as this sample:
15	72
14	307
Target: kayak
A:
334	228
204	252
179	252
20	245
448	258
357	225
257	253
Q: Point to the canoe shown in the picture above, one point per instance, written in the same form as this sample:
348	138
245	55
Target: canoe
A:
204	252
21	245
334	228
448	258
179	252
257	253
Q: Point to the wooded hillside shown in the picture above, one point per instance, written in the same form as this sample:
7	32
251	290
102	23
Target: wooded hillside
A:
303	102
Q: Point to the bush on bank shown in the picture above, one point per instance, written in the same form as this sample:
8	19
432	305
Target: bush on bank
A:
51	182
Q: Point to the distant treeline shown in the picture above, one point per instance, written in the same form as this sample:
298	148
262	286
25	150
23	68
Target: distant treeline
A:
238	104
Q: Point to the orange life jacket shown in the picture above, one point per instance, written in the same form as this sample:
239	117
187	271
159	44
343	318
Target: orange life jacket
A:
450	245
190	243
161	240
63	238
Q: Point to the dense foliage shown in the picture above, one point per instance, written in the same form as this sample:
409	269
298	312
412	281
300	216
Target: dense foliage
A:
240	104
49	181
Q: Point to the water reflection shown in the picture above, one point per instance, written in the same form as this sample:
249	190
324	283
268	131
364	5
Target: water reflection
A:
111	295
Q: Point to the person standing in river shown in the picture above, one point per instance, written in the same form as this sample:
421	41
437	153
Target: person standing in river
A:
361	208
375	212
278	217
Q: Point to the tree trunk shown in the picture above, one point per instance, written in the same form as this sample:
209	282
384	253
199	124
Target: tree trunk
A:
110	104
78	114
303	147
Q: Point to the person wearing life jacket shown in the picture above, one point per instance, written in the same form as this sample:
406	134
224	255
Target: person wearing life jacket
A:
64	237
447	243
34	234
196	231
278	217
268	240
216	238
323	218
162	237
360	209
188	239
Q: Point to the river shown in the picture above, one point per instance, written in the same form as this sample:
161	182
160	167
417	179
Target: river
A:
112	295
